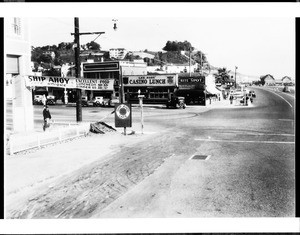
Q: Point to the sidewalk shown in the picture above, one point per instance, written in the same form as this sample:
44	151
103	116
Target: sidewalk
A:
47	164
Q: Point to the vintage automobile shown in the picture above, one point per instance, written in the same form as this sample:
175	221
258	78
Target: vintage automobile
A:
38	99
98	101
50	100
176	102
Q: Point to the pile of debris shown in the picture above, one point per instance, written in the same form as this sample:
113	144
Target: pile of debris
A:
101	128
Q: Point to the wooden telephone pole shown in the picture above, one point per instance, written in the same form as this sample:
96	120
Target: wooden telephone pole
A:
77	65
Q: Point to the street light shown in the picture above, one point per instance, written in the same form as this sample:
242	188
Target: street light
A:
235	75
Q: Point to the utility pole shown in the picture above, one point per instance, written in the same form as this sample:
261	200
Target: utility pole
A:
200	62
77	65
235	76
190	61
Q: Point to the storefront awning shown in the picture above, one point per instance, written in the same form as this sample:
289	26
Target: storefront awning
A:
213	90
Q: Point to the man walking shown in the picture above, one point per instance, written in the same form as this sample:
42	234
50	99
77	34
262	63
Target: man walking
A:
47	117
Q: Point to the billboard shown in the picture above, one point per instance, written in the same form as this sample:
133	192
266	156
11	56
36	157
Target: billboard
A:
70	82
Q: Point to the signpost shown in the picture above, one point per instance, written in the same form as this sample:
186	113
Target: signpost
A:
141	105
123	116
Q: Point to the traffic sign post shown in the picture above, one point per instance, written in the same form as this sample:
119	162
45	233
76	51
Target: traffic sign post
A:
141	105
123	116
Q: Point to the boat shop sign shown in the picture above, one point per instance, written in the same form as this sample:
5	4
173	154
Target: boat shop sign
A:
70	82
150	80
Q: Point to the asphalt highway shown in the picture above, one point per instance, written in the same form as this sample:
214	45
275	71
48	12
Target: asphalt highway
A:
248	171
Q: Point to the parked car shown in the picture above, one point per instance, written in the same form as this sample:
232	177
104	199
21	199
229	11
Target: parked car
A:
106	101
114	101
38	99
176	102
50	100
98	101
84	101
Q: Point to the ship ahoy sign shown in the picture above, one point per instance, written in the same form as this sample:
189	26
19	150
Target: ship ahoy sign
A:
70	82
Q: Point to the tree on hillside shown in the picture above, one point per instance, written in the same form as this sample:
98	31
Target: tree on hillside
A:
93	46
200	58
65	46
223	76
178	46
37	55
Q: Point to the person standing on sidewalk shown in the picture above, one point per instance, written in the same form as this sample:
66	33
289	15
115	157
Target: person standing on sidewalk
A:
44	100
47	117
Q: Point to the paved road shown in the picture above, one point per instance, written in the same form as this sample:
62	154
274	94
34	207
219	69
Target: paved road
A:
249	172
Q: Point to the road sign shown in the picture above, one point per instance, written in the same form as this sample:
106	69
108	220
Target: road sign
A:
123	115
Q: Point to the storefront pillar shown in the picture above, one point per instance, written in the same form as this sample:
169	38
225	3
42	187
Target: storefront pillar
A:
66	96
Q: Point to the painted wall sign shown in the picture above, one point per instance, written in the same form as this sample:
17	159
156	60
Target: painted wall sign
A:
95	84
123	115
150	80
70	82
191	82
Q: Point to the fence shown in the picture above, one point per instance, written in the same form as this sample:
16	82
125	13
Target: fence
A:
18	143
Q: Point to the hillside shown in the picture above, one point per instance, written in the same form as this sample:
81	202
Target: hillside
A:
173	57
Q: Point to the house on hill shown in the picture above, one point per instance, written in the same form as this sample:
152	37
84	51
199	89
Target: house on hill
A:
142	54
269	80
287	81
117	53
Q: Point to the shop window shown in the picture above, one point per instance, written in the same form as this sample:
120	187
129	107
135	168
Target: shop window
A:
17	26
12	64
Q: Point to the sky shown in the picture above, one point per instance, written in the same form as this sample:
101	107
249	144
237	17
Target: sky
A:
256	45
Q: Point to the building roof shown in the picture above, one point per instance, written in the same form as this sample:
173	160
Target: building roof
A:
286	77
268	76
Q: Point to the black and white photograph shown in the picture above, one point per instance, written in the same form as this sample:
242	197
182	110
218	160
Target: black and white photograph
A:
149	111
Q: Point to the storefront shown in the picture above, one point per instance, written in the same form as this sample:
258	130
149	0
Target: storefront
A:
107	73
155	88
192	88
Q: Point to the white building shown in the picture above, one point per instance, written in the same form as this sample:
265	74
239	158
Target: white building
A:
17	64
143	54
117	53
133	67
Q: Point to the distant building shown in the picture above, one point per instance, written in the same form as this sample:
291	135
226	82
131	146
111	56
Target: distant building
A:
142	54
133	67
287	80
269	80
180	68
50	53
117	53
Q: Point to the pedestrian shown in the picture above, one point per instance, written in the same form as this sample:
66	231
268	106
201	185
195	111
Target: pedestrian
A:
231	98
44	100
47	117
